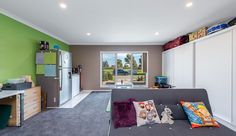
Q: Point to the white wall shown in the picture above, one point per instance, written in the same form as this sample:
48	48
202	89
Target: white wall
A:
214	72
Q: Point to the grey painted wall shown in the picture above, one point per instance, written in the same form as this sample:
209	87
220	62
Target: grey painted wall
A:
89	57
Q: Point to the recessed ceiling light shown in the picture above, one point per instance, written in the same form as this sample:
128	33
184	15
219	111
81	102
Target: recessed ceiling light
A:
88	34
156	33
63	5
189	4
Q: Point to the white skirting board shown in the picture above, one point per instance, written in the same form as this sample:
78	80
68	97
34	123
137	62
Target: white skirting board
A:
108	90
227	124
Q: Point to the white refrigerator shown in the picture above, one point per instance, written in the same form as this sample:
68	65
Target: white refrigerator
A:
65	76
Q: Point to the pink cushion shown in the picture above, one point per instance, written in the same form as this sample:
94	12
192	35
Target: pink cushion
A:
124	114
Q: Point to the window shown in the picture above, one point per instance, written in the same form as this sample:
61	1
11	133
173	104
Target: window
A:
129	68
108	68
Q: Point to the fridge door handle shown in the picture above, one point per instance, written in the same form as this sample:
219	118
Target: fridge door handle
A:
60	59
70	75
60	80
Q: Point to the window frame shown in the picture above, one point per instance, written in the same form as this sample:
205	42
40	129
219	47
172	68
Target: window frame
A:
128	52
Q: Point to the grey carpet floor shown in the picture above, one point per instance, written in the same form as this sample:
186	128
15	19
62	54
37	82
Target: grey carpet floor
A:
88	118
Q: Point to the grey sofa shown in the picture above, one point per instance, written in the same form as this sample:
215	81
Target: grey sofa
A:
171	99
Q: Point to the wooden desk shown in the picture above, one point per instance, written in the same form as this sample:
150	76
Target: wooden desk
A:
25	104
32	102
15	98
9	93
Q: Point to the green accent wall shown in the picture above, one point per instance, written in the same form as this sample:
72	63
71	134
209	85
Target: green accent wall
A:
18	45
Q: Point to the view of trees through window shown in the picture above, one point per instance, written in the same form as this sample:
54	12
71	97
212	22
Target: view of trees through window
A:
124	68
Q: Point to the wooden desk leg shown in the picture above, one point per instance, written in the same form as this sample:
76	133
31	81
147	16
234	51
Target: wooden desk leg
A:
21	109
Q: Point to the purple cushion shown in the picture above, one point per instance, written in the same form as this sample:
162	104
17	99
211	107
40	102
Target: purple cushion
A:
124	114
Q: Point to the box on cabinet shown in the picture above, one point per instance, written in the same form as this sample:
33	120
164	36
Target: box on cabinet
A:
202	32
176	42
193	36
232	22
198	34
216	28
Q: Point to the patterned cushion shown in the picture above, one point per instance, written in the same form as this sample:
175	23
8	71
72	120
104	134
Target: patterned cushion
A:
198	114
146	113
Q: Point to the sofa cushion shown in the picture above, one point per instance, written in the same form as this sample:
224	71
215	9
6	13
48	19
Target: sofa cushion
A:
198	114
124	113
179	128
146	113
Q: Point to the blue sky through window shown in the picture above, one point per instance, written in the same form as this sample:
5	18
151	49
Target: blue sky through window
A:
111	58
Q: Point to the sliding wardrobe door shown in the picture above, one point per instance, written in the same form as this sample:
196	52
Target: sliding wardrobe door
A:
168	65
214	72
234	77
183	66
178	67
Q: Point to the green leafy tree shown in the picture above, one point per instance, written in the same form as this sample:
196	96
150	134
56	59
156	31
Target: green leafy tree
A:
105	76
119	63
135	65
105	64
128	59
110	77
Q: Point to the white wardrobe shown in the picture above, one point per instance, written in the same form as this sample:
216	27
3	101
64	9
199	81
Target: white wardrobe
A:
168	65
209	63
214	72
234	77
183	66
178	66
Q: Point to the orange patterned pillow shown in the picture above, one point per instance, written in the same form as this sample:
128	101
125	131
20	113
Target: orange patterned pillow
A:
198	115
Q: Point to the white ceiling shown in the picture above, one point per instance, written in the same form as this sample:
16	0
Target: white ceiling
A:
117	21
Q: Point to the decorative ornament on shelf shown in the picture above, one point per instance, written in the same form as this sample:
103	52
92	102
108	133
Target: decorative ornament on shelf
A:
44	45
56	47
